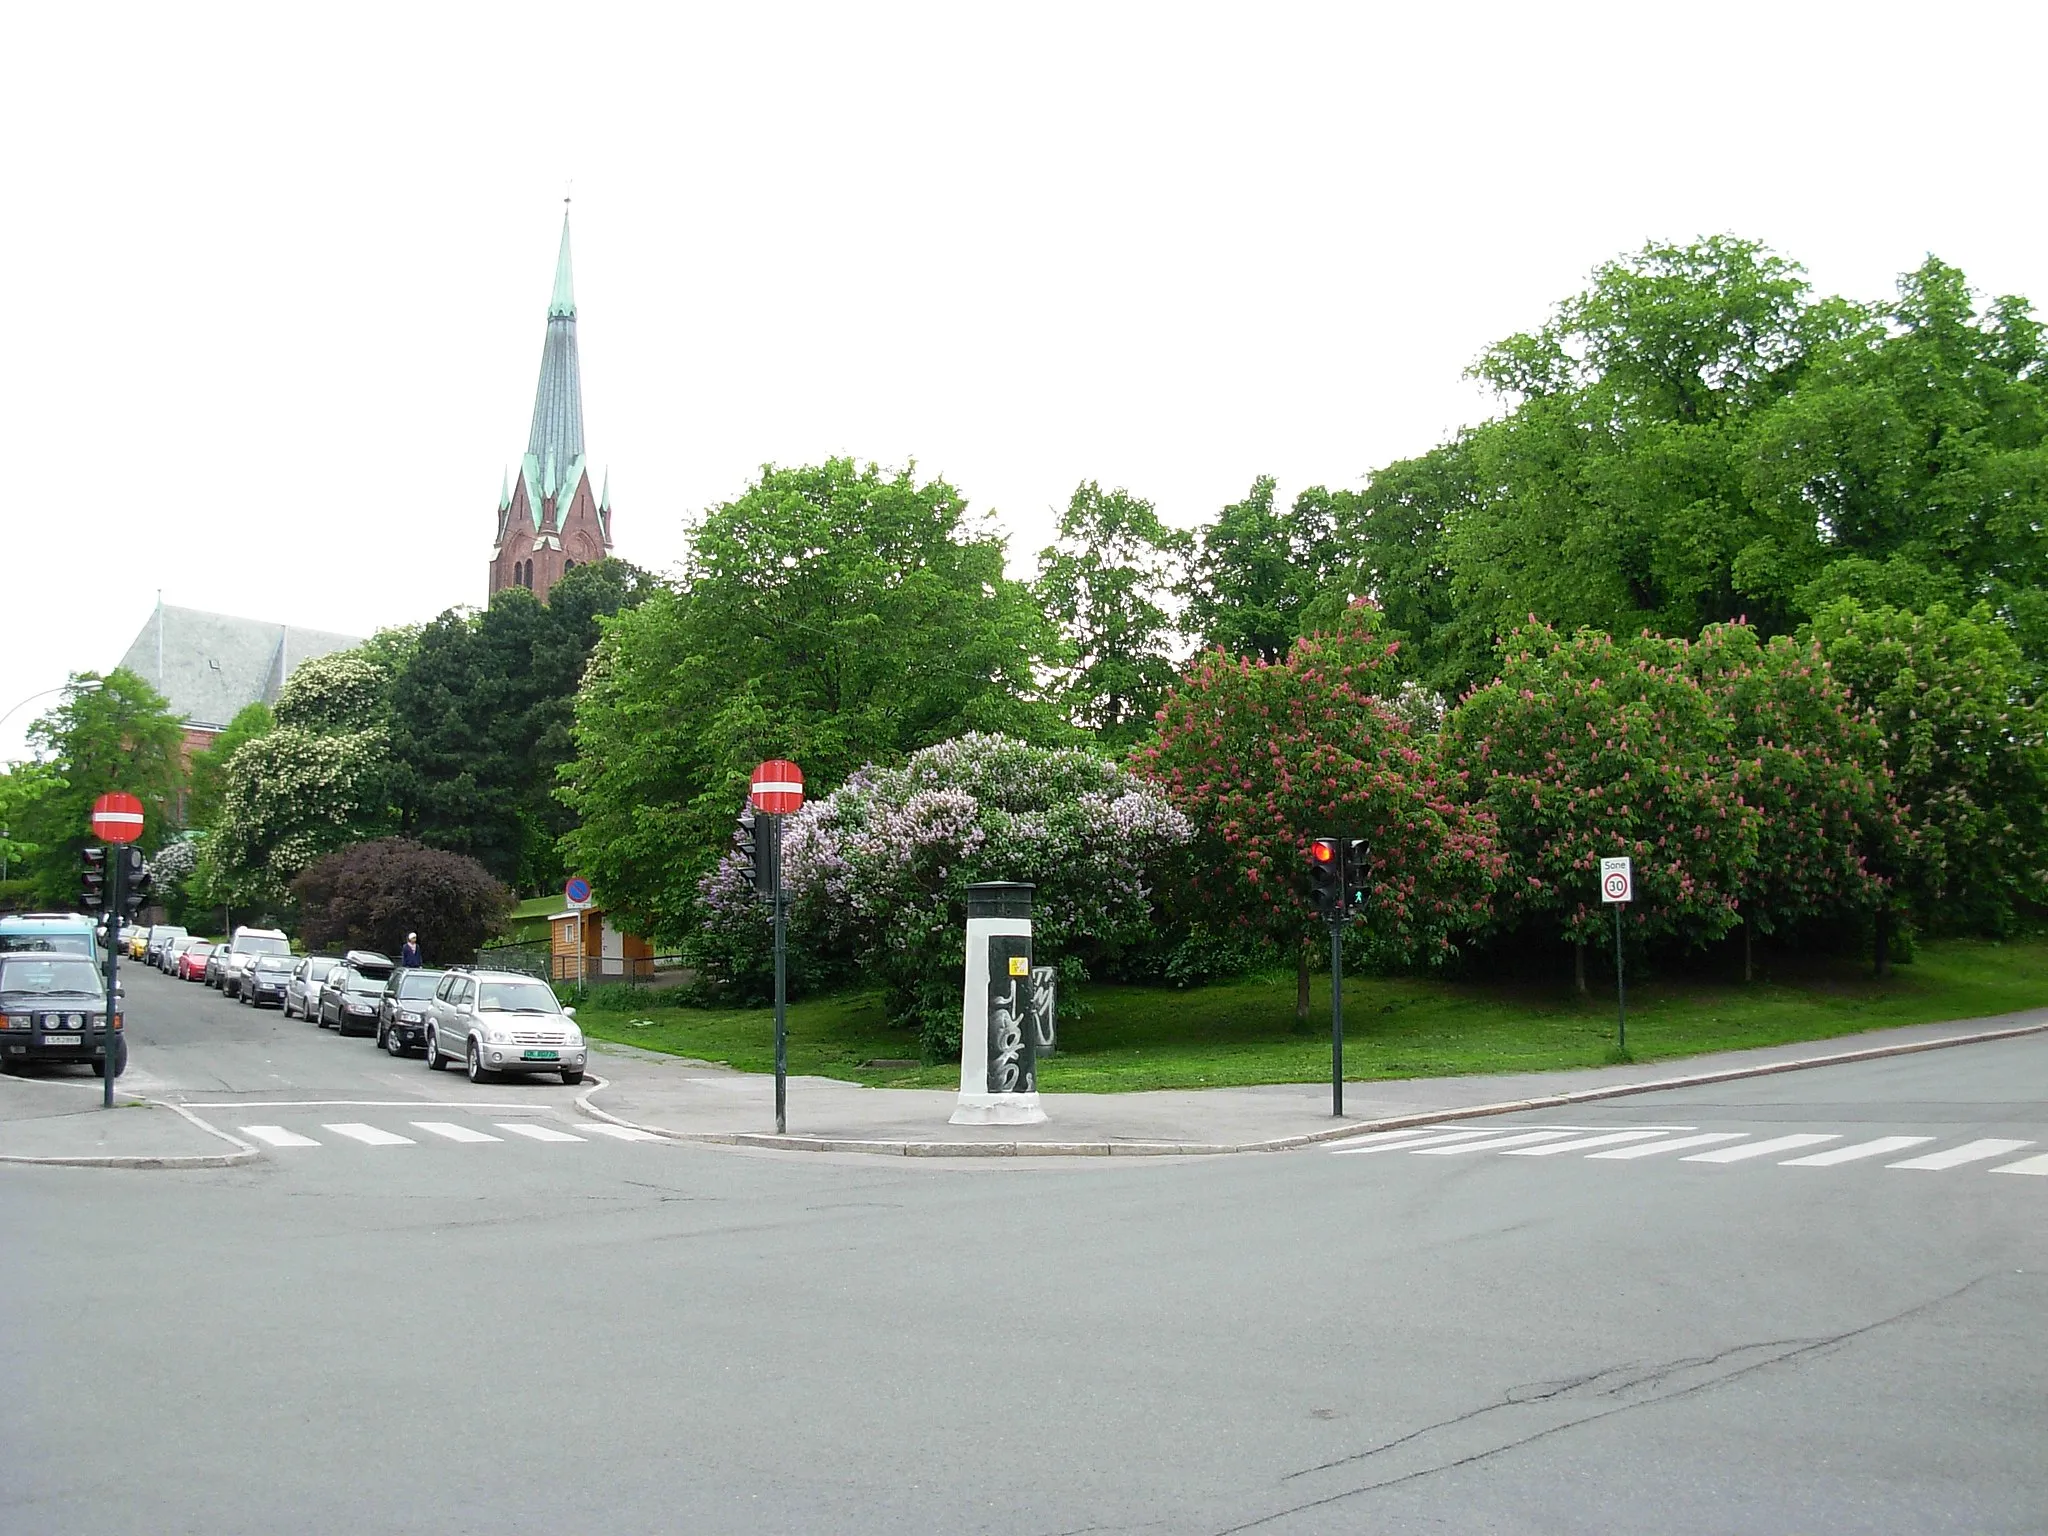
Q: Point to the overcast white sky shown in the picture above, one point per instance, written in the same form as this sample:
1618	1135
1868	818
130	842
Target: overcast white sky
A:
278	274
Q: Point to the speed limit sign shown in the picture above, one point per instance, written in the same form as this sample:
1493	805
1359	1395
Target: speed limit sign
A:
1617	882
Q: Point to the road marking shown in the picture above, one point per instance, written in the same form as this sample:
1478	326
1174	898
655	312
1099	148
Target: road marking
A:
1761	1148
349	1104
1398	1140
370	1136
624	1132
1876	1148
1611	1138
537	1132
278	1136
2027	1165
1497	1141
455	1132
1968	1152
1707	1140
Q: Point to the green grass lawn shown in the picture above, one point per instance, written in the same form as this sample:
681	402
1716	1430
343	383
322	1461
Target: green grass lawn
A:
1242	1032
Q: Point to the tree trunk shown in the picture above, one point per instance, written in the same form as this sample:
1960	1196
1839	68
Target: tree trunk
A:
1881	950
1579	968
1301	985
1748	954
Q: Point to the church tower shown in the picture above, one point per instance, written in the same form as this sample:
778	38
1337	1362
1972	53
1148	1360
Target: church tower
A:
548	519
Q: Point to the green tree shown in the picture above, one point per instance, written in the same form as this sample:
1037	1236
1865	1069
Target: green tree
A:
1106	581
109	733
837	615
481	716
1256	570
1965	739
207	772
369	895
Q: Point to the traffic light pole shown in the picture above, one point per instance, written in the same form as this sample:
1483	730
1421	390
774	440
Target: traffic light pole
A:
781	983
1337	1017
115	885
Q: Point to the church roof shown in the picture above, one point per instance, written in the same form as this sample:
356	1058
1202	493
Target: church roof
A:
556	441
211	665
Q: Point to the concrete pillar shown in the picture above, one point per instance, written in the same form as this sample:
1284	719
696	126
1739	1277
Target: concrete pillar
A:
998	1059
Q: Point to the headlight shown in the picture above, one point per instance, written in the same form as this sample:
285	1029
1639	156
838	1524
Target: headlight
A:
497	1037
74	1021
21	1021
410	1018
573	1039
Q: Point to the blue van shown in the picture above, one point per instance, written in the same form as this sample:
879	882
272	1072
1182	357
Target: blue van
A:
70	933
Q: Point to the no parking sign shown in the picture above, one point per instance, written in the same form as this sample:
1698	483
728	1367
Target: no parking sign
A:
1617	880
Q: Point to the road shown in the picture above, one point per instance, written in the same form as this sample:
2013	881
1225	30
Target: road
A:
424	1332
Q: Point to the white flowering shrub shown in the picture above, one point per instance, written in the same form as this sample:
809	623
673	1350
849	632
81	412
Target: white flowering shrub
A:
288	797
878	870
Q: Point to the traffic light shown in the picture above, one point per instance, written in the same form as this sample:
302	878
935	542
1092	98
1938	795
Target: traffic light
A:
1326	876
743	845
93	879
1357	873
135	881
755	840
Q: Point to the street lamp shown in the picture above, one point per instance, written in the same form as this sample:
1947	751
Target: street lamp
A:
90	685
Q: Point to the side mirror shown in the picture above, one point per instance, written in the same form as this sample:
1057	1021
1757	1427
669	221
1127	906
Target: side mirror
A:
569	1013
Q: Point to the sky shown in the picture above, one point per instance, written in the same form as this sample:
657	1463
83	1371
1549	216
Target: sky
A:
278	275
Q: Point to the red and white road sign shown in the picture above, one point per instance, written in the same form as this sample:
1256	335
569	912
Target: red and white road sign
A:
117	818
778	787
1617	880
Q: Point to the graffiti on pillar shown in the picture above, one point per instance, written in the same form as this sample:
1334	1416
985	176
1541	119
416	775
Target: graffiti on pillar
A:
1045	996
1012	1062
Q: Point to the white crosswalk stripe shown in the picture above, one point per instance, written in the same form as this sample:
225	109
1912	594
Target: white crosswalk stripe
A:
535	1132
278	1136
370	1135
1584	1143
2027	1165
449	1130
1399	1141
1860	1150
623	1132
1745	1152
1676	1144
1968	1152
1526	1139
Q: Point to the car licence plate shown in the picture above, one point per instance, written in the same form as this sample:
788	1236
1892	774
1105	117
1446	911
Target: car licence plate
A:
62	1040
540	1055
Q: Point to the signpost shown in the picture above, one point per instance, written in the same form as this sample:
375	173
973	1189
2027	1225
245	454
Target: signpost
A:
1618	889
116	818
777	791
576	897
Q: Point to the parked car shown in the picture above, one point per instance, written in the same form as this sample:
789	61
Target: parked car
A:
302	997
265	980
159	939
70	933
243	949
133	941
55	1009
350	996
193	960
402	1016
174	951
216	962
501	1021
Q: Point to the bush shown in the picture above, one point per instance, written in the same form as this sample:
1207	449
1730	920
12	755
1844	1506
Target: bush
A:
370	895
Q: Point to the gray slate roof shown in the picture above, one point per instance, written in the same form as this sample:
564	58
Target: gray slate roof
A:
211	665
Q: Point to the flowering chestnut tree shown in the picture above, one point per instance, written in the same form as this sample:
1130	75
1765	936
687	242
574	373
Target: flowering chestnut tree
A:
1589	746
1264	757
878	870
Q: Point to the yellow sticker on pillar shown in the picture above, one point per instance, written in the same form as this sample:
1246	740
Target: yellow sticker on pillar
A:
1020	965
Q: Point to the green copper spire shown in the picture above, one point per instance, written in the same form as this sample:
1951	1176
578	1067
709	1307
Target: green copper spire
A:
564	301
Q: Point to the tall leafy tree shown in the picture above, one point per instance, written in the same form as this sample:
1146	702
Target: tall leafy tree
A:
207	771
836	614
1257	569
1107	581
118	735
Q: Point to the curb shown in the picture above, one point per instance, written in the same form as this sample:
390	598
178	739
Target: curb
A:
247	1150
903	1148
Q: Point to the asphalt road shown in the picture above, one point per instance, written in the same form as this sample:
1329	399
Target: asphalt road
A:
494	1332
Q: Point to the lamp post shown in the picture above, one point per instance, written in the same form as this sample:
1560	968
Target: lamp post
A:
90	685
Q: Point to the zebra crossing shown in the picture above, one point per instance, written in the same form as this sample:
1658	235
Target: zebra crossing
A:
1688	1144
413	1133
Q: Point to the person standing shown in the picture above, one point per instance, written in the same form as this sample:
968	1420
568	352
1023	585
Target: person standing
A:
410	955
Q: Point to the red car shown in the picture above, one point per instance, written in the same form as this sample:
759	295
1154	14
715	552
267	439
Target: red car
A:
192	963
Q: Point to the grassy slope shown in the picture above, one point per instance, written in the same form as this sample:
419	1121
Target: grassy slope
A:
1244	1031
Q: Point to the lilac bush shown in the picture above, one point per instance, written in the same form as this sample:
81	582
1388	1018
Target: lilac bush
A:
878	870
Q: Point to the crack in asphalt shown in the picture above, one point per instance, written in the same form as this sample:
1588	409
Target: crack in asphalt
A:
1786	1351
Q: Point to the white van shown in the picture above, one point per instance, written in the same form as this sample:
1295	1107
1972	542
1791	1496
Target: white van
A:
243	949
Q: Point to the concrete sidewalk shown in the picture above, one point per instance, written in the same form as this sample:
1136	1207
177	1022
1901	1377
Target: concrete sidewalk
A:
698	1102
59	1121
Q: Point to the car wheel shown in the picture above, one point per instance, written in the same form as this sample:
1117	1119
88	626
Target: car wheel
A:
99	1068
436	1062
394	1043
571	1079
477	1074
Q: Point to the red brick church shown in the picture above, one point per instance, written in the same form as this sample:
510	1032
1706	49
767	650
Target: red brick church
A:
549	521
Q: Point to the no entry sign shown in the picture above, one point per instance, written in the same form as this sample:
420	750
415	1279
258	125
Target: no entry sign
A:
1617	880
117	818
778	787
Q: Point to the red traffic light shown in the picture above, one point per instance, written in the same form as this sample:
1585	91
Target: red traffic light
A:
1323	850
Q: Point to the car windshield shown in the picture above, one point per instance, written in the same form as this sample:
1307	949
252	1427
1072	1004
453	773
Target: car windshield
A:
515	997
58	974
251	944
418	983
53	943
357	983
319	970
282	964
200	951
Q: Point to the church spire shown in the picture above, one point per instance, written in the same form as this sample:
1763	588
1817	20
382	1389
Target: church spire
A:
558	403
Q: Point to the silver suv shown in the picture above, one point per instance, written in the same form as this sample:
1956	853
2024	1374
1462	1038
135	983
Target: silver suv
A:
501	1021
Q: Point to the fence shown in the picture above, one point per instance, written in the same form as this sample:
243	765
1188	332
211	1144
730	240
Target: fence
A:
540	960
